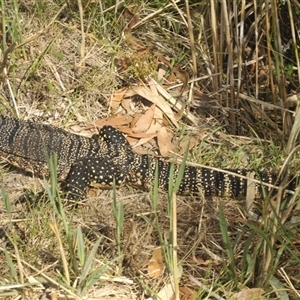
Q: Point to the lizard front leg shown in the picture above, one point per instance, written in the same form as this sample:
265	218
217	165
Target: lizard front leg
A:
88	170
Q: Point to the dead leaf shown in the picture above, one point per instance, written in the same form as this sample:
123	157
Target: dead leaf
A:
163	59
164	142
136	117
183	76
112	121
136	135
156	99
186	293
121	64
117	97
202	97
154	128
167	290
153	88
175	104
77	128
208	262
249	294
145	121
126	104
156	264
171	78
132	141
130	18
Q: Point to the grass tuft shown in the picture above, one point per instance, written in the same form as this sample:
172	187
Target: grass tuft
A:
58	66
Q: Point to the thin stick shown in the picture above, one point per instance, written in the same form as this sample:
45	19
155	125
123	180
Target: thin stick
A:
82	47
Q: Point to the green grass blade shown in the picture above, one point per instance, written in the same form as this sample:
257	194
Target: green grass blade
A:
88	265
226	240
118	212
95	276
279	288
171	180
11	266
181	171
154	191
6	201
80	246
248	259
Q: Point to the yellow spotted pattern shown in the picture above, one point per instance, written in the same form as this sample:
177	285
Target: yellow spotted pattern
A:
83	161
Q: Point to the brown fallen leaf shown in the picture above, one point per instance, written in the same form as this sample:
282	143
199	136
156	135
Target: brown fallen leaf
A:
164	142
208	262
154	128
183	76
145	121
171	78
132	141
155	99
112	121
130	18
135	119
156	264
126	104
186	293
117	97
173	102
163	59
136	135
248	294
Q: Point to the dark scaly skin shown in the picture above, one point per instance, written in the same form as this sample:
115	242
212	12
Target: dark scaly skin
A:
82	161
29	146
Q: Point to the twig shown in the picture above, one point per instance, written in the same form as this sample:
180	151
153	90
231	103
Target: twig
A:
82	46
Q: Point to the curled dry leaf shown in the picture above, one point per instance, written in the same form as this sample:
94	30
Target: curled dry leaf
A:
164	142
154	128
176	72
117	97
183	76
136	117
155	99
175	104
163	59
130	18
156	264
145	121
186	293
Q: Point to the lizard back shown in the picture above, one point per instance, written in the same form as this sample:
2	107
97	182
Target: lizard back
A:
29	145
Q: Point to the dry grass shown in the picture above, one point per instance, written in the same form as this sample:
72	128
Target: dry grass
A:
61	62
